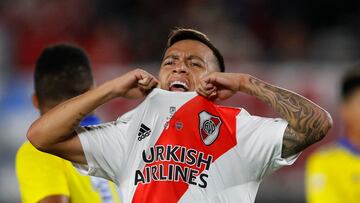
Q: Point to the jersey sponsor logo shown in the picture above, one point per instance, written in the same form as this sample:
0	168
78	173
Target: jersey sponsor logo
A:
179	159
144	132
174	163
209	127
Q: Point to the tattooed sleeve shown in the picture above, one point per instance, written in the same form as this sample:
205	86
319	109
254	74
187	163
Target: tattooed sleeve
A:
308	123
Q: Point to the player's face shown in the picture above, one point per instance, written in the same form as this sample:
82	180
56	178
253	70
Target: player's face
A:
184	63
351	112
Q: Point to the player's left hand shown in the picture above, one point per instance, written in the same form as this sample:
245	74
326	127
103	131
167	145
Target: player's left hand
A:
219	86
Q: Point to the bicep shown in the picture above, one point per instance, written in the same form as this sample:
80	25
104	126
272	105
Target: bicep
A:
70	149
293	142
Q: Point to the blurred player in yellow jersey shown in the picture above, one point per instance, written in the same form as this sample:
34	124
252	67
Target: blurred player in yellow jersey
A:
333	172
61	72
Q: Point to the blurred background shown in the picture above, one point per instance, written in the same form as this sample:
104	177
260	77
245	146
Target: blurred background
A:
302	45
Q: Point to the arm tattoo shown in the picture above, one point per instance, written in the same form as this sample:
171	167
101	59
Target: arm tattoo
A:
308	123
293	142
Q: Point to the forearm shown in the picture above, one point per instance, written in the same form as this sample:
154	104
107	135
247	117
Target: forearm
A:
59	123
303	115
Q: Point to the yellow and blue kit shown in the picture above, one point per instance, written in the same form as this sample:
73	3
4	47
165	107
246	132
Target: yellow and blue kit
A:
333	174
41	175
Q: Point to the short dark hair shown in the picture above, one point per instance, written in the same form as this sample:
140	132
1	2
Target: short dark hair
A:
62	71
179	34
350	82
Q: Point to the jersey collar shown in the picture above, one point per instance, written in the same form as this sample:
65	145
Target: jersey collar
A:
344	142
90	120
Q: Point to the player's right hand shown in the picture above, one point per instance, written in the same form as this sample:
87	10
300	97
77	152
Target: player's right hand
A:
134	84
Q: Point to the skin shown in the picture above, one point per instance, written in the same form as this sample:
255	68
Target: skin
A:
193	63
350	113
186	61
55	199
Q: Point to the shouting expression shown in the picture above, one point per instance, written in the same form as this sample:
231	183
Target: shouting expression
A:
183	65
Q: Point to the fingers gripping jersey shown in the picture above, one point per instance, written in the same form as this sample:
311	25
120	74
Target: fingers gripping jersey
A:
180	147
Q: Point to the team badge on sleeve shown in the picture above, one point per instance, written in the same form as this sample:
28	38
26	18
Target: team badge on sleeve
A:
209	127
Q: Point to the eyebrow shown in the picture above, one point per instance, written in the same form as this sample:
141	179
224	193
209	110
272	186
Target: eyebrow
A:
196	57
175	56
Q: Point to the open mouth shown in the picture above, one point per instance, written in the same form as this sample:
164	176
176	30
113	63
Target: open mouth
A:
178	86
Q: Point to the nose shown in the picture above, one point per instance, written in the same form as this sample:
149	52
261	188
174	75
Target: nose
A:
181	68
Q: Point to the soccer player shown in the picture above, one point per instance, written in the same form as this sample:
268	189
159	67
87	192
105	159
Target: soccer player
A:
178	145
333	172
61	72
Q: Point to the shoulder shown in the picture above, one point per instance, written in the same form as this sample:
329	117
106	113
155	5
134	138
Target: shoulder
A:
327	153
26	146
34	165
27	153
328	150
26	150
245	119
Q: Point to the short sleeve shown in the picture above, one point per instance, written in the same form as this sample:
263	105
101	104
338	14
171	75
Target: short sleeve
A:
39	174
105	149
261	142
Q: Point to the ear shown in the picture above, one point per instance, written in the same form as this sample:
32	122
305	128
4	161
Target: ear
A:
35	101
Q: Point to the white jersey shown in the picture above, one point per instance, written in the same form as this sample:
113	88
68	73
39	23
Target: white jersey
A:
180	147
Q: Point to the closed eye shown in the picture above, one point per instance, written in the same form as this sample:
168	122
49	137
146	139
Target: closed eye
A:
195	61
168	62
196	64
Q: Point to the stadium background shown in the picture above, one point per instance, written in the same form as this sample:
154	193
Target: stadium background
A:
302	45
